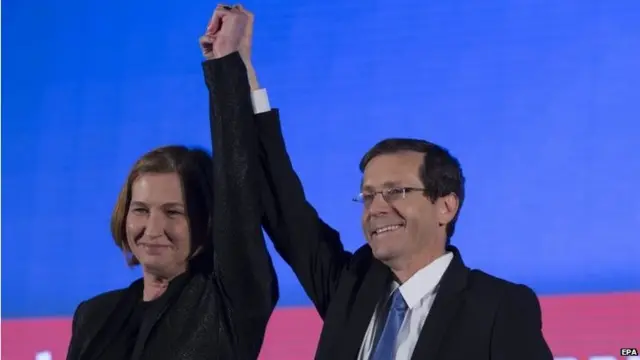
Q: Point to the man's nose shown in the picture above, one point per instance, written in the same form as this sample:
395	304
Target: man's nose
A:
155	225
378	206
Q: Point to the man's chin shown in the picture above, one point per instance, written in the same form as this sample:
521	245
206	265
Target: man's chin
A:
383	253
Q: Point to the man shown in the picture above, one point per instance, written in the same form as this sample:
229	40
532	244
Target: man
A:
407	294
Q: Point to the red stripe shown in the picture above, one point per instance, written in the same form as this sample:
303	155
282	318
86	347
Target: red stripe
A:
575	326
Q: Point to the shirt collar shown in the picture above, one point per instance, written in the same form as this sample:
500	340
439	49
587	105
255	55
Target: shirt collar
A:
424	281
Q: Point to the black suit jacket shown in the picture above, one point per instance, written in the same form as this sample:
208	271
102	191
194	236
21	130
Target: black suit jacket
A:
474	316
219	309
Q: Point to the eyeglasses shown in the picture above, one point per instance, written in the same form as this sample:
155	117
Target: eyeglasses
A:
389	195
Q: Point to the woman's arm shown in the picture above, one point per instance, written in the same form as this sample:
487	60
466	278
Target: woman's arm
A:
242	264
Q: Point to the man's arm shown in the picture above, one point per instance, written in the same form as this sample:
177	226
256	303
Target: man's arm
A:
242	265
311	247
517	331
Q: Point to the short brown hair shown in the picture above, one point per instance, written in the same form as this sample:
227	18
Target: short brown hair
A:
195	170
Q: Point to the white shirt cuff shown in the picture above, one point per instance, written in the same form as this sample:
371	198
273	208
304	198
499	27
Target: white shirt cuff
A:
260	101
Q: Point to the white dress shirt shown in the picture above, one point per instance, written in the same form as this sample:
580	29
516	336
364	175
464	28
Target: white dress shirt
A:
260	101
418	292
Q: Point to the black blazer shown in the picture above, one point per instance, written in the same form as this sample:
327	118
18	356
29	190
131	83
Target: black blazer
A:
219	309
474	316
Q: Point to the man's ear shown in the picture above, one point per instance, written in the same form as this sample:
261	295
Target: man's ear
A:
447	208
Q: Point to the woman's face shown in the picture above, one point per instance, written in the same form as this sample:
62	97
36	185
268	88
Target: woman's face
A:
157	226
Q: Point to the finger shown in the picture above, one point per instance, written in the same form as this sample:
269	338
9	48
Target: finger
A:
244	10
248	30
215	21
206	40
240	10
214	25
215	13
206	45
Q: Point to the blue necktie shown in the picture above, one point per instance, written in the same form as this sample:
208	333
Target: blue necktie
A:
385	349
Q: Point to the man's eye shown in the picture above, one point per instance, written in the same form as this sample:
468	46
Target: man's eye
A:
367	197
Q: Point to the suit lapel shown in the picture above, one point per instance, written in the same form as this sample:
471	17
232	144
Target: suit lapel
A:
114	320
445	306
375	285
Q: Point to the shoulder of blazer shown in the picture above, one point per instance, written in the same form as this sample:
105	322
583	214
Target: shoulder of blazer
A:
492	287
90	311
105	298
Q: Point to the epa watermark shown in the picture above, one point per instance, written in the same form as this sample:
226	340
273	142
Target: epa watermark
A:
625	354
629	352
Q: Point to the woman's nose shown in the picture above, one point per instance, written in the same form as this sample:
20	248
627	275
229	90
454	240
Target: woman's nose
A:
155	225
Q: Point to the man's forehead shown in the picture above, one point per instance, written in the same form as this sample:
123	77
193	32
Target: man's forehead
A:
380	185
389	179
395	162
392	170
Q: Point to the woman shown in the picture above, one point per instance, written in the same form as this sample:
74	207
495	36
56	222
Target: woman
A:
208	286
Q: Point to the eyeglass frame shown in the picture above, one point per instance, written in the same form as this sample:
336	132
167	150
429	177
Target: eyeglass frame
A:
387	195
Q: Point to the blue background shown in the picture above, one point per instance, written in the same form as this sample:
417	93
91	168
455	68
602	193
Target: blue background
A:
538	99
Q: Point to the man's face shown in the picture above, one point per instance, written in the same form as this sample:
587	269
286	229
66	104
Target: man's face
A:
406	224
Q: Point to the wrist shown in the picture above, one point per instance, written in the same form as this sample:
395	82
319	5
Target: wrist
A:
253	78
223	47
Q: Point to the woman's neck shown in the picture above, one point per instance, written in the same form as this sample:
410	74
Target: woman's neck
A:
154	285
